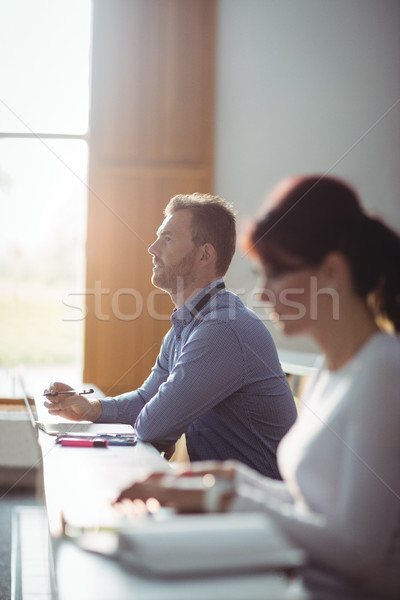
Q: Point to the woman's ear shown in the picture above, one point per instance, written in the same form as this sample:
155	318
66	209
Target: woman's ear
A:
334	270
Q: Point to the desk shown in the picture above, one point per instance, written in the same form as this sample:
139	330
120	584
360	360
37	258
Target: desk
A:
79	484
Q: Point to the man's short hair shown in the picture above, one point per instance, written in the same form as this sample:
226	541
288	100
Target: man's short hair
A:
213	221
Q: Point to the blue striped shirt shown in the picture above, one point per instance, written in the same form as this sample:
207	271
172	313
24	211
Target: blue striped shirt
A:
217	379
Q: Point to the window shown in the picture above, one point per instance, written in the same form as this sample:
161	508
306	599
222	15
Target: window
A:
44	108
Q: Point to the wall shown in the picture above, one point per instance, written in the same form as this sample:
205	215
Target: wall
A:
307	86
151	137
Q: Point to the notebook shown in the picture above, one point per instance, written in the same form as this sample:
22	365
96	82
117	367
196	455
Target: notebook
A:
199	545
64	426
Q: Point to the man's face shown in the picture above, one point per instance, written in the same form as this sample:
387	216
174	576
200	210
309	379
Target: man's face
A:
174	253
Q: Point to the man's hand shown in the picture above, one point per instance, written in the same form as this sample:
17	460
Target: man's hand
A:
73	407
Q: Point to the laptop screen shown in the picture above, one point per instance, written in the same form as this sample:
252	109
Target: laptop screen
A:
28	405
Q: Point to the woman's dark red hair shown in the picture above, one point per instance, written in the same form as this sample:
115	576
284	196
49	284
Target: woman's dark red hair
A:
308	217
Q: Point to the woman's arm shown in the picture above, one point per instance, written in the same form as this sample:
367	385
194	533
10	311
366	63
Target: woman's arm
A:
353	537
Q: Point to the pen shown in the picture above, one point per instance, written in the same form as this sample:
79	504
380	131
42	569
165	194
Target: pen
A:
80	443
69	392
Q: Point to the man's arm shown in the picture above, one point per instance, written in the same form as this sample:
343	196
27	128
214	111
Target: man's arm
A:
209	369
125	408
121	409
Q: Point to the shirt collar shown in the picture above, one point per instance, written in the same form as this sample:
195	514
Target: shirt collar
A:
182	316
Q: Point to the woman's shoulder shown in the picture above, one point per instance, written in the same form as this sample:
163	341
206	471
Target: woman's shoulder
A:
383	351
377	381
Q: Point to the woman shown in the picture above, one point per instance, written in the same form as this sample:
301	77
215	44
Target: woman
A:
333	272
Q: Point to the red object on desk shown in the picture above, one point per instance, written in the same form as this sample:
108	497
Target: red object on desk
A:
81	443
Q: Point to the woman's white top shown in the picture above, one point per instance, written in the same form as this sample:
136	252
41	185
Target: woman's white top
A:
340	495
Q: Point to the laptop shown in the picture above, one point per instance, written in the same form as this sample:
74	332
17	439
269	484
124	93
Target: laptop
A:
81	428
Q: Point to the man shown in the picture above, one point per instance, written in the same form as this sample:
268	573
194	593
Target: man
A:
217	378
